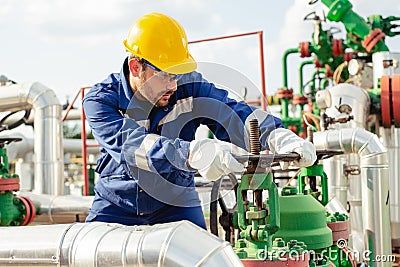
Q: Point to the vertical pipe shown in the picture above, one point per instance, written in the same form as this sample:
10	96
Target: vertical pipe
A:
391	140
284	64
262	69
84	150
285	108
48	150
375	183
301	68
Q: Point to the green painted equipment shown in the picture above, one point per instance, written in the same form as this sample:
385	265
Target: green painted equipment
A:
14	210
303	218
256	227
314	171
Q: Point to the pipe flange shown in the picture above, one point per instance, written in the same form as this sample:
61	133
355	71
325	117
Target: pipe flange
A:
317	63
337	47
9	184
29	208
328	71
372	39
301	259
284	93
305	49
298	99
396	99
385	101
340	230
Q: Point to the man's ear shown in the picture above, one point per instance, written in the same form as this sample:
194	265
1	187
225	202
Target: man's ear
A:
134	67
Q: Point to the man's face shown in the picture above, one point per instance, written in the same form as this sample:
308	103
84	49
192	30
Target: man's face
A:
157	86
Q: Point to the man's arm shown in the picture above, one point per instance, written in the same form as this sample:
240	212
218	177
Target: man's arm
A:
127	141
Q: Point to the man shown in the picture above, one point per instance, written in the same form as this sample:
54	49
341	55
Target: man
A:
145	118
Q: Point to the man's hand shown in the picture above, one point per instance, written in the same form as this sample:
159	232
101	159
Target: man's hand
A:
213	158
283	141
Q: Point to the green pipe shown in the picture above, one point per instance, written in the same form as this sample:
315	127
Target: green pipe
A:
324	83
304	63
273	203
285	108
324	187
341	10
284	64
314	76
314	170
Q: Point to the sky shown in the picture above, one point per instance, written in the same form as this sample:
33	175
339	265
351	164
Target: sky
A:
68	44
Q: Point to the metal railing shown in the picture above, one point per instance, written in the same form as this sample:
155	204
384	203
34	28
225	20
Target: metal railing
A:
263	100
85	145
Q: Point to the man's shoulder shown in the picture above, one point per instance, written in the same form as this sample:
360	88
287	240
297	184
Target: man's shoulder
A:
108	86
105	91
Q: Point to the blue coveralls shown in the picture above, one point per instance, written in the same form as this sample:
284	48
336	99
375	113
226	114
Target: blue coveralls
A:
144	178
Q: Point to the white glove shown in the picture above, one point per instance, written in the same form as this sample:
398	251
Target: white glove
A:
283	141
213	158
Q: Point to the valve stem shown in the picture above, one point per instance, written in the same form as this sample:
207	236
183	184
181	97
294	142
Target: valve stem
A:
255	146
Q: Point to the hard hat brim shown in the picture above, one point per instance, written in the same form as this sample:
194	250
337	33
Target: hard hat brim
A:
182	67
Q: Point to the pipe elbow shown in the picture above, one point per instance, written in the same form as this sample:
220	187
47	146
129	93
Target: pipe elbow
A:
354	140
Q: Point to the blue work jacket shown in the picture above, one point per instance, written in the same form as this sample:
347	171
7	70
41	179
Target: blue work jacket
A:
145	149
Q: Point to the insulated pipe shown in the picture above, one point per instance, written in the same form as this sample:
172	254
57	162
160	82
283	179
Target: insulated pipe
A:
20	149
60	209
355	97
337	182
72	115
48	171
104	244
391	140
375	183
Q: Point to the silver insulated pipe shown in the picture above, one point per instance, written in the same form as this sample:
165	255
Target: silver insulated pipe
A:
103	244
374	183
391	140
59	209
48	135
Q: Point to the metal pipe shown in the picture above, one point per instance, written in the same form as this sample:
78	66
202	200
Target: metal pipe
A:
20	149
354	198
284	64
379	68
375	183
104	244
337	182
356	97
73	114
60	209
84	149
262	71
391	140
301	68
48	170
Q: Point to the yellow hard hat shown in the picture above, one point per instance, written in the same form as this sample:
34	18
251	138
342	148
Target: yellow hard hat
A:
162	41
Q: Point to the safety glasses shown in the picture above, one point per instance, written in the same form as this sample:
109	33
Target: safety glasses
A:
168	77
